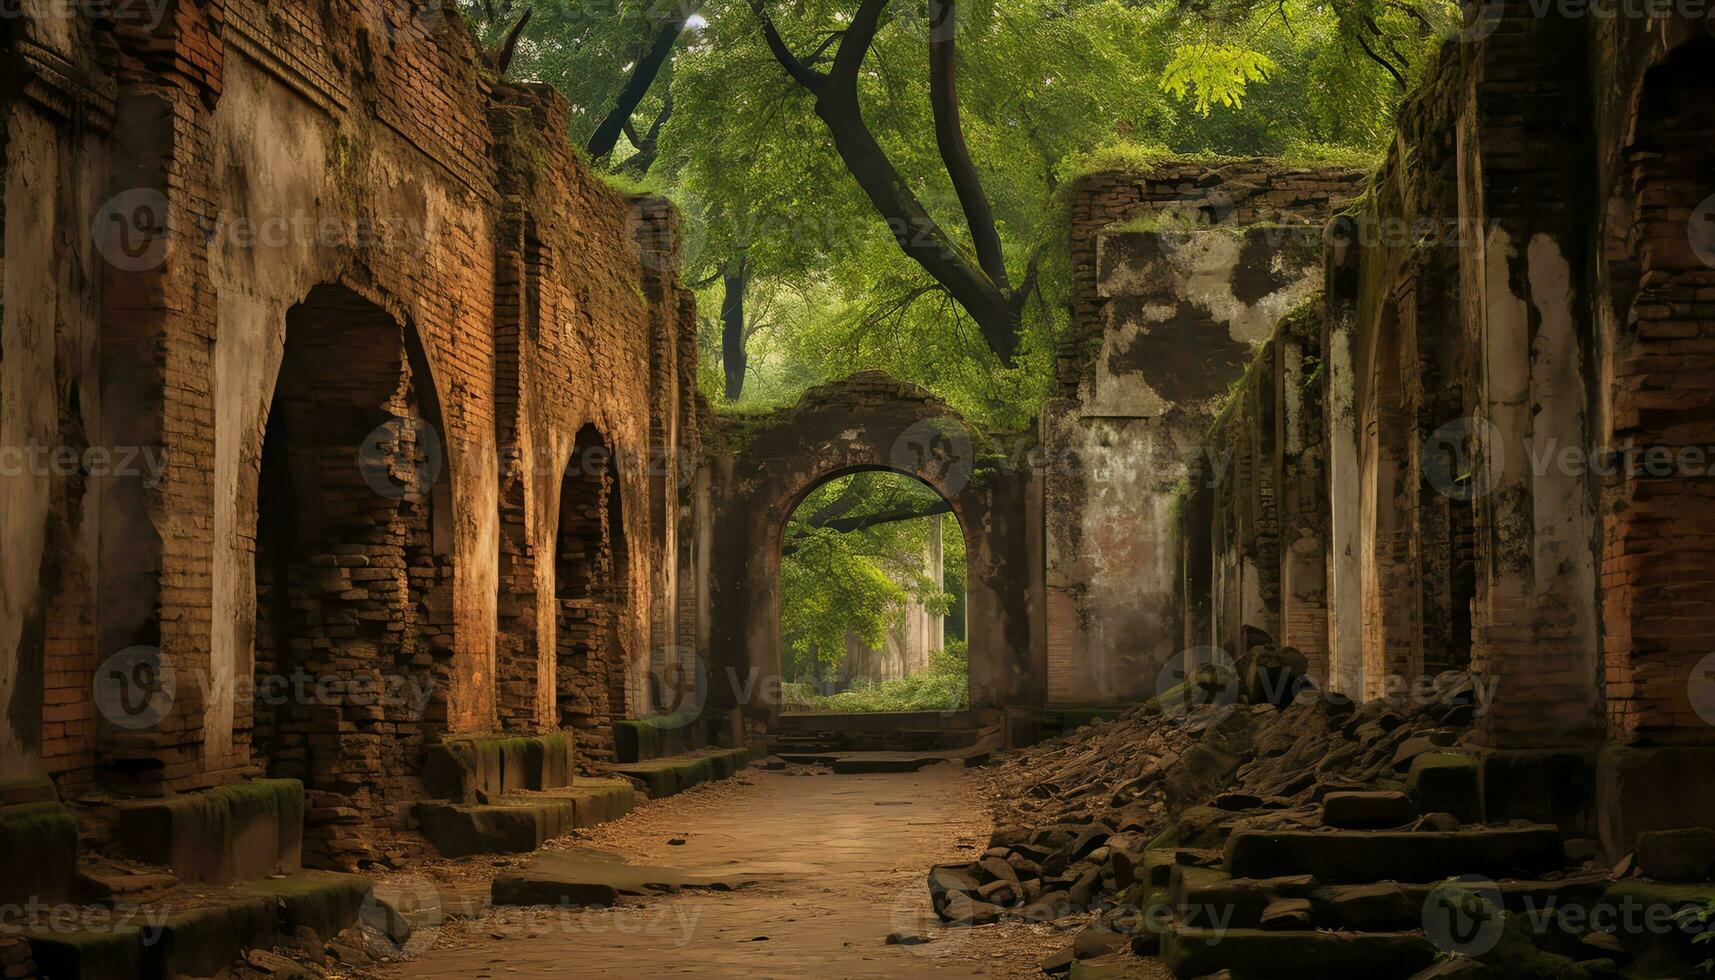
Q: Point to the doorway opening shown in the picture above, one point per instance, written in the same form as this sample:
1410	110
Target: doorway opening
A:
873	579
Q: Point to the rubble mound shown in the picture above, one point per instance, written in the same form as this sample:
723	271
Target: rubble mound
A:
1314	833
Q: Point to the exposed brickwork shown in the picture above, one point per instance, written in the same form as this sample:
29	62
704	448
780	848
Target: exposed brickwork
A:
487	285
1659	536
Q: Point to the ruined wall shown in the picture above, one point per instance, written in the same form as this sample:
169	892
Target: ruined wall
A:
179	194
761	468
1511	383
1180	273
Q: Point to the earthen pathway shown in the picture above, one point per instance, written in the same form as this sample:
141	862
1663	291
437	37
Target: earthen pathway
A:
843	860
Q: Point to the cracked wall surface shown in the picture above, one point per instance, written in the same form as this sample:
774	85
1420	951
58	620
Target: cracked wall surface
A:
179	192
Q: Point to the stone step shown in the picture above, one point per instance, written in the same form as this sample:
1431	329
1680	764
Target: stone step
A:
1361	856
660	737
168	940
520	823
675	774
38	849
469	769
1255	954
1382	906
230	833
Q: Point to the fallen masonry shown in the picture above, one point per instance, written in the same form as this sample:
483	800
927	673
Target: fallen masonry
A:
1322	839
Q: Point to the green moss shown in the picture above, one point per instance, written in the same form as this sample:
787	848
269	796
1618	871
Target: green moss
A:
627	184
322	900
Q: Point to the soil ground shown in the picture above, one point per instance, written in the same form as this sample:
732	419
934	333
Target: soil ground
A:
839	862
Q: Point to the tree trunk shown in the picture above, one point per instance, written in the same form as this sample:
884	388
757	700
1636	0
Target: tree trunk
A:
643	75
980	293
733	355
950	140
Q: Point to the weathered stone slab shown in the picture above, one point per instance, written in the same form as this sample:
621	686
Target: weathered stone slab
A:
1357	856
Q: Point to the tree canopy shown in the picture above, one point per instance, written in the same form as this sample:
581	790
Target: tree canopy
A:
881	183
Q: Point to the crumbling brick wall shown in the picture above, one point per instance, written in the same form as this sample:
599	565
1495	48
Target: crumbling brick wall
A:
1658	495
260	153
1503	336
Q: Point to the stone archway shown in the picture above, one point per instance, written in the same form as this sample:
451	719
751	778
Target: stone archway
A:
869	422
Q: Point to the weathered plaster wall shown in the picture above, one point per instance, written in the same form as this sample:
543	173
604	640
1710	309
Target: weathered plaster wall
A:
1506	332
1182	274
50	396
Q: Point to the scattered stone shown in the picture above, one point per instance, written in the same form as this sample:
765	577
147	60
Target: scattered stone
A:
1093	942
1456	968
907	939
1058	963
1601	946
1286	913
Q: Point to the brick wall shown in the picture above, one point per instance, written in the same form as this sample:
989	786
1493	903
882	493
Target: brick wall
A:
527	302
1659	533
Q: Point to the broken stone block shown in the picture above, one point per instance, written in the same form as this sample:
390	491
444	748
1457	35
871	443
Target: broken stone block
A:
1683	855
1093	942
1359	856
1286	913
38	849
1448	782
539	888
962	909
1367	810
1371	908
229	833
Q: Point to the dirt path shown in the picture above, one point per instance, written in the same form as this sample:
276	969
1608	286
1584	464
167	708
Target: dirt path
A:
844	860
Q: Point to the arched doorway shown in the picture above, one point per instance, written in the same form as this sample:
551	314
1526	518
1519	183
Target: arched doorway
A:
353	568
592	575
872	598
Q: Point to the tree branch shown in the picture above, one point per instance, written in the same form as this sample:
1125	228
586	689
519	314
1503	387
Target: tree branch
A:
917	233
502	56
950	139
643	75
801	73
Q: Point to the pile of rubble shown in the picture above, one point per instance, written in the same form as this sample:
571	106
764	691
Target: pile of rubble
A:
1275	811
